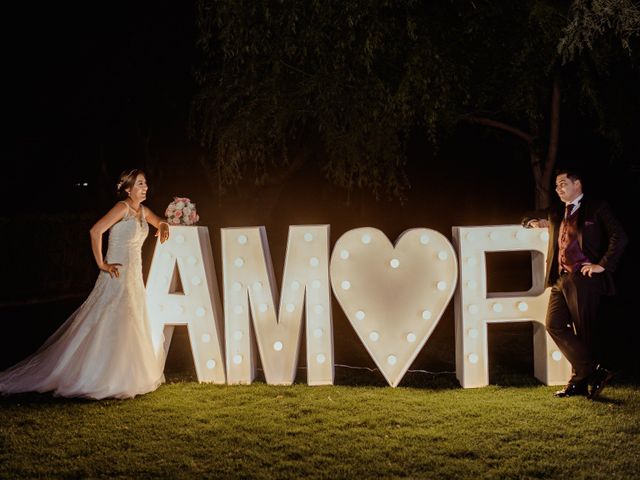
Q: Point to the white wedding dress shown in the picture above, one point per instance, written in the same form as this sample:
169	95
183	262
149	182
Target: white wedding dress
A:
104	350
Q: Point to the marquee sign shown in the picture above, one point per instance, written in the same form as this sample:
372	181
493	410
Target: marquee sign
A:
393	296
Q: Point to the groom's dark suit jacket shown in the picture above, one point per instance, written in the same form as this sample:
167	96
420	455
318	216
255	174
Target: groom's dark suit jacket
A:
601	237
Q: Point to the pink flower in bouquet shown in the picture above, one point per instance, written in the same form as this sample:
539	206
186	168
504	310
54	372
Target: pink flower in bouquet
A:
181	212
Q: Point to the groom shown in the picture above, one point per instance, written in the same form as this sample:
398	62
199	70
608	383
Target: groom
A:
585	245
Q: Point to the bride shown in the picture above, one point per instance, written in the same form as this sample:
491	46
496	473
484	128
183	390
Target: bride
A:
104	349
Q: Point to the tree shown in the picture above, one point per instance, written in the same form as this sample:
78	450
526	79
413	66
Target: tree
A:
553	56
350	80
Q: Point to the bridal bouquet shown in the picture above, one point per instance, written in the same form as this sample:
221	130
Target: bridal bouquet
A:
181	212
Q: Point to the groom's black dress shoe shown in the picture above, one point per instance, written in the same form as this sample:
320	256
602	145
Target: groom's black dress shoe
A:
597	381
573	390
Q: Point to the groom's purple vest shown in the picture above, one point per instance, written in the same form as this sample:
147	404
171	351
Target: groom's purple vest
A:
570	256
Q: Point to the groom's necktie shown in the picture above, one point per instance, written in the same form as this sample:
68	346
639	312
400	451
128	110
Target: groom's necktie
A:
569	210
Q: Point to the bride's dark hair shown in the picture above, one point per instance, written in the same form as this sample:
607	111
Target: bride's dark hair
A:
127	180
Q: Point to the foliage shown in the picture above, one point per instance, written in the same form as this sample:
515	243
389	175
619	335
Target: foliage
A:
353	77
513	63
190	430
593	20
599	51
348	82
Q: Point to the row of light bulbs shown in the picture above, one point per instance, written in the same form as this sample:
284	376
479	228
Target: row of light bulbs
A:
498	307
473	358
518	235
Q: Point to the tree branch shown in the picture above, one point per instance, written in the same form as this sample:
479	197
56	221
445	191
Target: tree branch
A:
500	126
554	132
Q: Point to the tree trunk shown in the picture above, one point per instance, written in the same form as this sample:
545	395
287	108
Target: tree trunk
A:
541	194
552	152
542	169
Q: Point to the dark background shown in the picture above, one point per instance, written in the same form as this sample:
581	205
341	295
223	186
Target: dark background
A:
93	89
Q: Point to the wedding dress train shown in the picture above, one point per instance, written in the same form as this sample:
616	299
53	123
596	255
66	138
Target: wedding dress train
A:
104	349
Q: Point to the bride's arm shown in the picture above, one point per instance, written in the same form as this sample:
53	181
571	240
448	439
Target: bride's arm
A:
114	215
161	225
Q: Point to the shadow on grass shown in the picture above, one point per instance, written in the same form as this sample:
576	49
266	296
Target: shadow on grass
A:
349	377
177	376
366	378
608	401
352	377
34	398
430	381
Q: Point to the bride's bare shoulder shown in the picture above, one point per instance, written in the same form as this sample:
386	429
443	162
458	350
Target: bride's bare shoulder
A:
114	215
120	207
117	213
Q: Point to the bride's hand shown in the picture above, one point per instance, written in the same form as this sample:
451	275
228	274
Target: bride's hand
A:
163	232
111	269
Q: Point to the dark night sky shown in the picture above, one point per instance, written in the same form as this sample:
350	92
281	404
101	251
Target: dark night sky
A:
90	84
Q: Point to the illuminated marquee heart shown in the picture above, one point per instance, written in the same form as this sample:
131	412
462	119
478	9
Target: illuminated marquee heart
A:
393	296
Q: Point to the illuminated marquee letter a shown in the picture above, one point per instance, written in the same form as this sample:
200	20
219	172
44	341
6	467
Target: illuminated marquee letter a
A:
182	289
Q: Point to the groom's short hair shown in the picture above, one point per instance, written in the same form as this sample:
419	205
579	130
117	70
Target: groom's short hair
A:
571	173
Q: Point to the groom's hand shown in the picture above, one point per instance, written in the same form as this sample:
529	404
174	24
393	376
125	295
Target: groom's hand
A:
591	268
536	223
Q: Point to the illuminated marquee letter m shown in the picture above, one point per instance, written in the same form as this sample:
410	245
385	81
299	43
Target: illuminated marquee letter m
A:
250	292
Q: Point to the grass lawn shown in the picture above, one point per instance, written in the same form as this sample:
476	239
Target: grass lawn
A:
429	428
